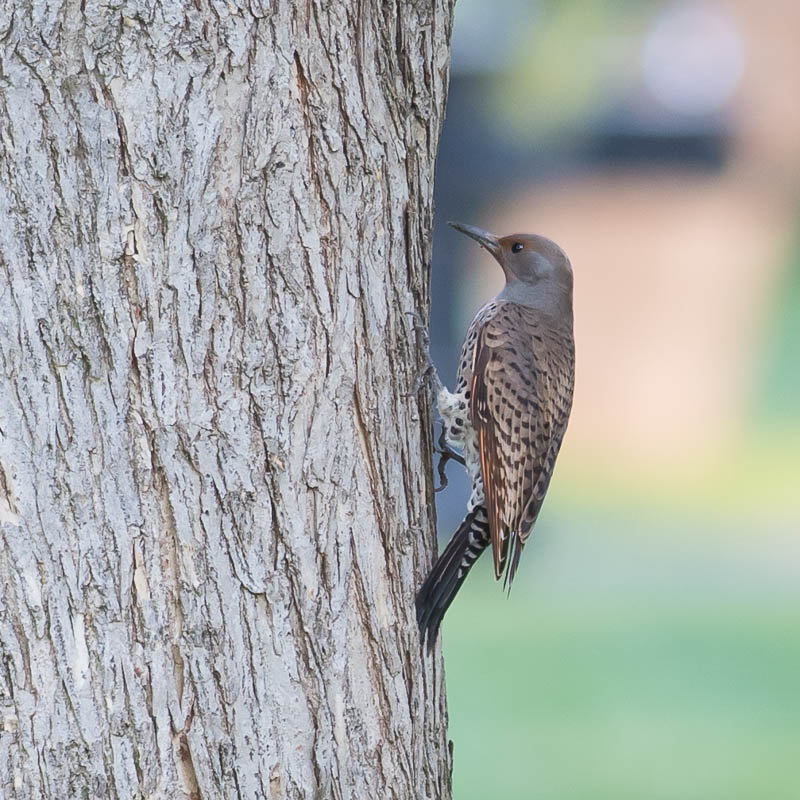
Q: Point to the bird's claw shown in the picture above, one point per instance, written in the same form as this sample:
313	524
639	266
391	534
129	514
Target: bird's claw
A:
428	370
446	453
428	373
422	378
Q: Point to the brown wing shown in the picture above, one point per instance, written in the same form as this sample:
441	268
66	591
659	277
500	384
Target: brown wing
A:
521	393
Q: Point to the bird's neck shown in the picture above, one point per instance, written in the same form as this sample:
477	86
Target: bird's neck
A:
549	297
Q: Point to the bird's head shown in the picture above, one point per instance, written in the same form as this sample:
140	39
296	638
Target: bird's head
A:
525	257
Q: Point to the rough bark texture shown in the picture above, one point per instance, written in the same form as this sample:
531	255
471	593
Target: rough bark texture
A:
214	494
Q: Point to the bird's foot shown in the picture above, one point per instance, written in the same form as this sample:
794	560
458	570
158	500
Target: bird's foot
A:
445	453
427	373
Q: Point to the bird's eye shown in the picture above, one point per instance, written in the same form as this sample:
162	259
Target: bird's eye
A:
516	247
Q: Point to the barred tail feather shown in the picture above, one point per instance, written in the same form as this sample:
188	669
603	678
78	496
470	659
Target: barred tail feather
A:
449	572
517	543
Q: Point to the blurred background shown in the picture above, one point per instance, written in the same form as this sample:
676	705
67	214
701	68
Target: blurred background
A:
651	646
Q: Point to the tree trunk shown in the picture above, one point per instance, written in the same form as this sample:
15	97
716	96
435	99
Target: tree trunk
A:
215	502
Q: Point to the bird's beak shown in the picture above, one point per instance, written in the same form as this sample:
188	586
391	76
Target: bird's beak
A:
483	238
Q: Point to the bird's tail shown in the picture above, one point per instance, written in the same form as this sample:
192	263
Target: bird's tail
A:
449	572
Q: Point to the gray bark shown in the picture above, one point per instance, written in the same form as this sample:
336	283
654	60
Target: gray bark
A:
215	503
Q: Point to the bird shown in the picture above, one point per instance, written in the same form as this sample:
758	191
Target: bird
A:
508	413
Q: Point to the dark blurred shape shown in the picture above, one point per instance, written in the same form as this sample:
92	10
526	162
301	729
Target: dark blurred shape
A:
631	147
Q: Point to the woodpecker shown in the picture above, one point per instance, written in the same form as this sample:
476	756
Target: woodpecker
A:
508	413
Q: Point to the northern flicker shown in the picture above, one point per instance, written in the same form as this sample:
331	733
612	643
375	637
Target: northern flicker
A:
508	413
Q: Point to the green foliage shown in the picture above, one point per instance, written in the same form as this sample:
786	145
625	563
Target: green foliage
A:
630	663
575	59
780	399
